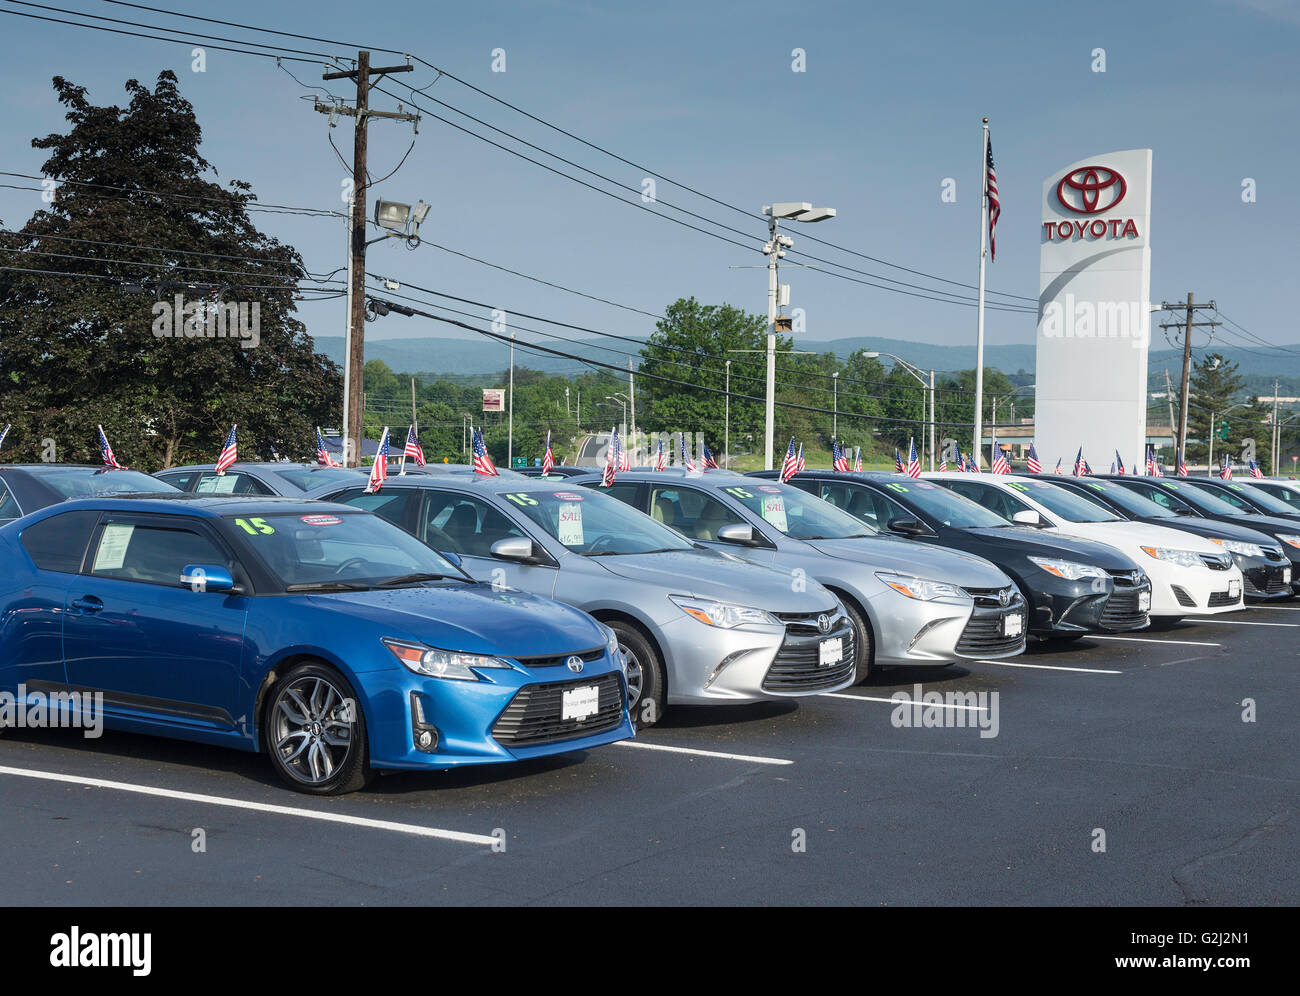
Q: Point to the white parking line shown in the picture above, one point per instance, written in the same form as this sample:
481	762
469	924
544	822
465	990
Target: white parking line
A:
701	753
1053	667
1237	622
907	701
1275	608
261	807
1140	639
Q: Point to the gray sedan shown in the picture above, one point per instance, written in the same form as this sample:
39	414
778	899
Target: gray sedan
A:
909	604
697	626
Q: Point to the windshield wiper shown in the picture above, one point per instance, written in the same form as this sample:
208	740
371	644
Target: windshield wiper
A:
415	579
328	586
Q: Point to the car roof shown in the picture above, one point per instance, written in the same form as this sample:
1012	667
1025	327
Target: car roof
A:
247	465
190	504
469	481
674	473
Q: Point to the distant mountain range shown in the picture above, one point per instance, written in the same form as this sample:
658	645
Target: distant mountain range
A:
469	358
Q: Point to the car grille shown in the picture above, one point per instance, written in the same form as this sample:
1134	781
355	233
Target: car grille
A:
1274	554
586	656
1261	581
806	622
1184	599
1216	561
1121	611
991	598
533	715
796	669
1218	599
983	635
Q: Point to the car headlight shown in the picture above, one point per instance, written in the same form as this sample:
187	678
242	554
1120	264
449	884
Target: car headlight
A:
1245	549
1183	558
1290	538
921	588
437	663
1068	569
724	615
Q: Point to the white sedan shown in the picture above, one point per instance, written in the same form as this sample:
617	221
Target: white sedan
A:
1189	574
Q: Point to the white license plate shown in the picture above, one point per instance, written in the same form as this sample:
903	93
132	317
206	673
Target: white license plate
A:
1234	589
1144	601
831	651
579	703
1286	575
1013	625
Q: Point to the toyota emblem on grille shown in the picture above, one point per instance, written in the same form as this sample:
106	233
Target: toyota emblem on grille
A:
574	664
824	623
1004	597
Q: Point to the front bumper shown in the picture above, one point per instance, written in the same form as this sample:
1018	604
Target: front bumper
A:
509	716
1265	579
1091	605
1179	591
911	631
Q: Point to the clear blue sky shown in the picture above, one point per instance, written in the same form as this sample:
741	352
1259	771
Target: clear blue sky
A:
889	106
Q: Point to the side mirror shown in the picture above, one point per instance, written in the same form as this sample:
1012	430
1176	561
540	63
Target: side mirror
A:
207	577
518	548
1027	518
738	533
908	527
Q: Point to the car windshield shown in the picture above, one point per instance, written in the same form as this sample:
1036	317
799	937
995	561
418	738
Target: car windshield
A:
1258	496
1129	501
97	482
337	550
1201	499
947	506
594	525
796	513
305	478
1069	506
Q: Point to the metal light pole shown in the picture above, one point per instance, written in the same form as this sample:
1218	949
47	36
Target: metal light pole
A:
726	422
835	405
916	372
510	426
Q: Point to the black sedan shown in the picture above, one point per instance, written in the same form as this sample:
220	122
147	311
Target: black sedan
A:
1264	566
1199	497
24	488
1074	586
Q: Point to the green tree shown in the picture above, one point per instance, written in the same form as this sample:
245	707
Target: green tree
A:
76	351
1217	387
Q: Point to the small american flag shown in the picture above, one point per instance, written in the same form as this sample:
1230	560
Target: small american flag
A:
943	466
323	454
709	462
913	462
482	461
802	465
624	460
1035	466
961	462
106	451
995	206
1080	467
548	458
661	458
229	453
1000	465
791	465
1153	468
898	462
611	459
3	434
687	462
379	469
1058	466
1119	463
857	459
1225	472
412	448
1182	465
839	459
1254	470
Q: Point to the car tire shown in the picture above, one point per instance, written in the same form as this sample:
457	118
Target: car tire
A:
862	637
304	705
647	688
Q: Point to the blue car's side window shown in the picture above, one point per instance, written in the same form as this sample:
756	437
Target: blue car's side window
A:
59	542
152	554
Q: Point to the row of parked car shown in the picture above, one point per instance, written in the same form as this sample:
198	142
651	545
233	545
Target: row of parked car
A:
452	618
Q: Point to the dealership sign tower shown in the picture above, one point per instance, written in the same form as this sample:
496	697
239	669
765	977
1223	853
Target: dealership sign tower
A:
1094	311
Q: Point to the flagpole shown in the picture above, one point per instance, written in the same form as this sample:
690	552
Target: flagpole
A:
979	334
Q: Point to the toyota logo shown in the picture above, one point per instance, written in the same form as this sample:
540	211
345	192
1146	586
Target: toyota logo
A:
1004	597
574	664
824	624
1090	189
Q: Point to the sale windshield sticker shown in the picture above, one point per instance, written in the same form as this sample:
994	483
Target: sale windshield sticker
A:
569	527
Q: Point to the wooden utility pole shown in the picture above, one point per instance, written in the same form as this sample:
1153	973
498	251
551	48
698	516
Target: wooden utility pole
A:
355	352
1180	438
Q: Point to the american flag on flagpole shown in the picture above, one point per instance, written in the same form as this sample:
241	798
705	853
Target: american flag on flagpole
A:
839	459
379	469
229	453
106	451
857	459
1182	464
1034	465
913	462
661	458
943	466
1000	465
800	461
1153	467
1079	464
412	448
687	462
624	460
611	459
898	461
482	460
323	454
1254	468
709	462
995	206
1225	472
790	466
1119	463
548	458
1058	466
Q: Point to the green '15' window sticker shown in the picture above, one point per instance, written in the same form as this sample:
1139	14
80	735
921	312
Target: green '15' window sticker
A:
256	526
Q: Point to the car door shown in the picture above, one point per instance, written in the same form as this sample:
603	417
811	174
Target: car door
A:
157	649
468	526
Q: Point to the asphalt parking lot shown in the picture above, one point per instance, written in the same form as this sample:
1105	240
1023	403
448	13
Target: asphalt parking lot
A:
1123	771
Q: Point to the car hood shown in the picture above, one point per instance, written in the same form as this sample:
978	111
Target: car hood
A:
1027	540
1218	529
473	618
1271	523
906	557
1144	534
715	575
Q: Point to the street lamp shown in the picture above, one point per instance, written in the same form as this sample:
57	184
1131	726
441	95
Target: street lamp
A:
835	405
726	421
916	372
774	249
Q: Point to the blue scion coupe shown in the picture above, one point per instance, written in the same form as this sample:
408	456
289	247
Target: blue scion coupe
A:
320	634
